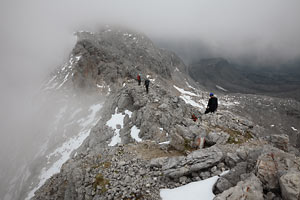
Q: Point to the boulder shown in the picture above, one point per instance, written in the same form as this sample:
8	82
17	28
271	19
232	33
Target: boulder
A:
266	171
163	106
175	167
232	159
272	165
204	158
290	186
279	141
125	101
217	138
248	189
231	178
177	142
158	162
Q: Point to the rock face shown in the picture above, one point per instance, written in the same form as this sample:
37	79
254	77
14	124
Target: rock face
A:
279	141
217	138
112	56
166	153
248	189
290	186
271	166
196	162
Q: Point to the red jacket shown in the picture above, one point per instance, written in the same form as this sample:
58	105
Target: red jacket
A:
194	117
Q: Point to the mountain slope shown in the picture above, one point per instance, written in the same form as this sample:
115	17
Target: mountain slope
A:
280	82
144	142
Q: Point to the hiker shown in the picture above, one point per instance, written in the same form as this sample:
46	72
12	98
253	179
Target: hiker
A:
212	104
194	118
147	82
139	79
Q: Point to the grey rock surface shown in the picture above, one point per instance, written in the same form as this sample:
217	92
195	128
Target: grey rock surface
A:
196	161
290	186
271	166
217	138
248	189
279	141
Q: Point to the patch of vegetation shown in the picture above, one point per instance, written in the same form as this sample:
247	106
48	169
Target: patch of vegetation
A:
237	137
187	145
102	182
106	164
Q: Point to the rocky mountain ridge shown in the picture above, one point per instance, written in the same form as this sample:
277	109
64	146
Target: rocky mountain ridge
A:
145	142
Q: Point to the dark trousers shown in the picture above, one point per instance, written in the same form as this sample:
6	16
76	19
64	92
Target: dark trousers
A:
208	110
139	82
147	88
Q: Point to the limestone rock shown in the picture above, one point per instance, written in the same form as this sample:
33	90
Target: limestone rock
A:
279	141
217	138
248	189
231	178
271	166
175	167
177	142
290	186
231	159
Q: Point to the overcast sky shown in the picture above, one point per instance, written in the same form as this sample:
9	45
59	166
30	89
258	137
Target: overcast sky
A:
37	35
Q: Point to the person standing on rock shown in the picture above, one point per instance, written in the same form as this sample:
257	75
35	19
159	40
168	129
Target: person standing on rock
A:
212	104
139	79
147	82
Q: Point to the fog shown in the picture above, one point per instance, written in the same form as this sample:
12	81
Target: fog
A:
37	36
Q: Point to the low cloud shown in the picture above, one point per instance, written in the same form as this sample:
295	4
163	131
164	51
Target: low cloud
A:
37	36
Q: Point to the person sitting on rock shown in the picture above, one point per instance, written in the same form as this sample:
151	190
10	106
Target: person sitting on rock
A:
212	104
147	82
139	79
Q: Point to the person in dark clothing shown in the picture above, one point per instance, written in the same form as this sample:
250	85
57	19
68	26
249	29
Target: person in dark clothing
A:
147	82
212	104
139	79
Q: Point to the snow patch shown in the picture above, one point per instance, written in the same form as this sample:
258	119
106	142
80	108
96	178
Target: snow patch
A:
187	97
64	151
116	119
227	103
182	91
109	90
190	86
166	142
100	86
135	134
189	100
65	80
91	117
220	88
192	191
